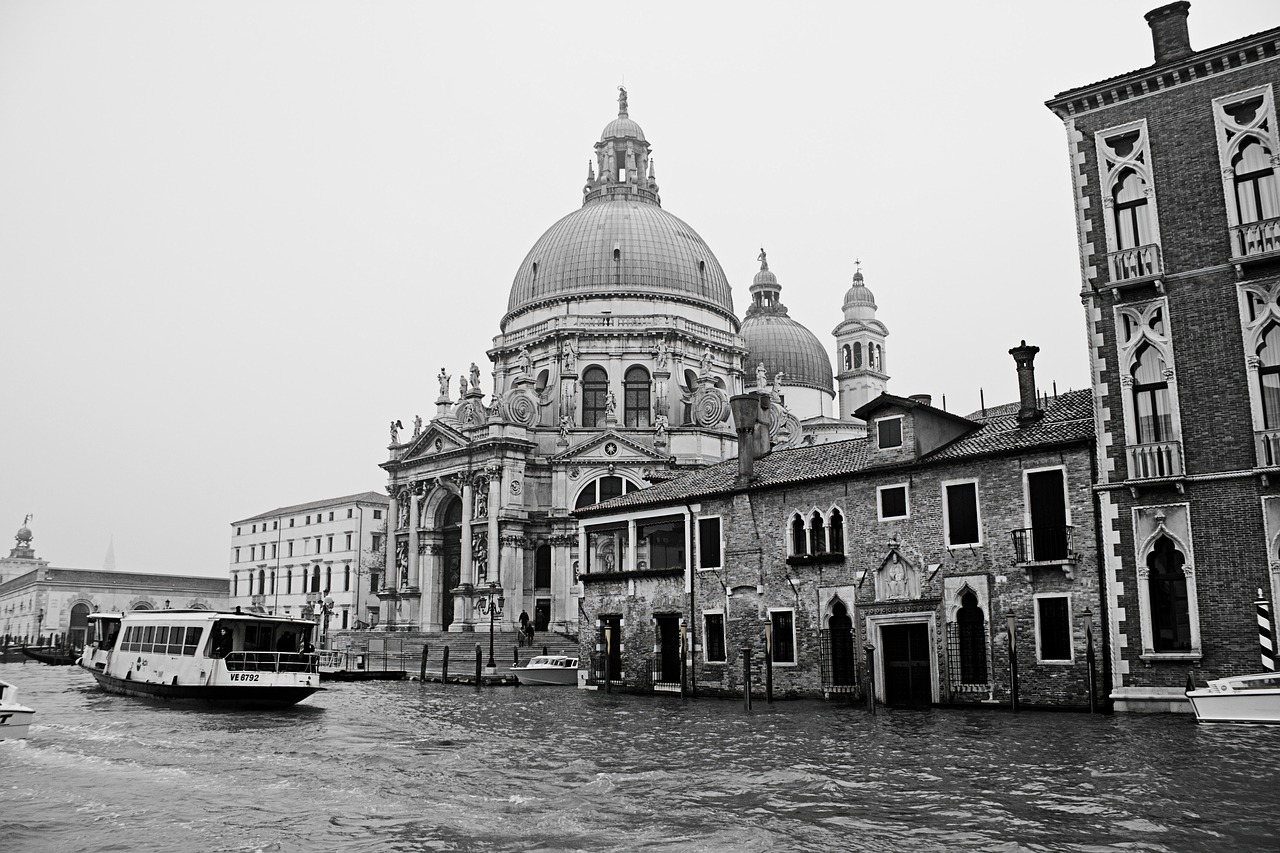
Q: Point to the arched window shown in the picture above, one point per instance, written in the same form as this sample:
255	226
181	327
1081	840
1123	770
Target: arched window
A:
1256	197
262	582
1151	396
835	532
1170	612
1128	193
346	579
846	357
315	579
328	578
840	637
595	388
601	489
857	354
1269	376
972	634
817	534
542	567
288	582
273	582
879	365
798	537
235	584
635	386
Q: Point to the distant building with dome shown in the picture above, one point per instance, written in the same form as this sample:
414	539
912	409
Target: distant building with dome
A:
614	365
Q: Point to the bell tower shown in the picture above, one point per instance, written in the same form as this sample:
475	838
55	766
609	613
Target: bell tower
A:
860	350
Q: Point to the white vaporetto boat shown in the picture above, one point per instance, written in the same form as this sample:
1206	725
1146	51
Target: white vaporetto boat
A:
242	659
1238	699
548	669
15	719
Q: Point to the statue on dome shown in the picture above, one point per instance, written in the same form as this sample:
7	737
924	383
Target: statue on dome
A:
762	378
570	356
763	259
622	101
417	425
475	377
462	385
660	354
524	362
777	383
443	379
704	369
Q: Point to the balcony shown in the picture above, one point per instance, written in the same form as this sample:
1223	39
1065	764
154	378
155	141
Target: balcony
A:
1154	460
1045	544
1267	444
1135	266
1255	240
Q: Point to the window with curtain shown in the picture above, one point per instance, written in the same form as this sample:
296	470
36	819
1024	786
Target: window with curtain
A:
1256	197
1151	396
635	391
1269	376
595	388
1133	227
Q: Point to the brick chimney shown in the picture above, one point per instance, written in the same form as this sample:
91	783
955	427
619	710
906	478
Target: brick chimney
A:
1024	356
1169	31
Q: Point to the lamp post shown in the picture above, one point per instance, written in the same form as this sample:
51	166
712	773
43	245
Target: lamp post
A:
39	623
1012	623
1089	658
491	605
326	608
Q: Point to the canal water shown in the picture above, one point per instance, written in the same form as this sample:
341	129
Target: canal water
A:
402	766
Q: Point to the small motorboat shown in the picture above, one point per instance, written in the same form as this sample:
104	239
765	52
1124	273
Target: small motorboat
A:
548	669
1238	699
15	719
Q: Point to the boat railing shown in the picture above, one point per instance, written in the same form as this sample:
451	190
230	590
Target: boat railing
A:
272	662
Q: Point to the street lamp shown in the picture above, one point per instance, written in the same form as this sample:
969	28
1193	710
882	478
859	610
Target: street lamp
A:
326	607
491	606
39	623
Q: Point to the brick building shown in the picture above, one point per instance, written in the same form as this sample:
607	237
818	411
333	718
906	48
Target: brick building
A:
921	540
1173	170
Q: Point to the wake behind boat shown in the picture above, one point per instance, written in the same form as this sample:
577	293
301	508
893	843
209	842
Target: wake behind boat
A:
15	719
548	669
1238	699
240	659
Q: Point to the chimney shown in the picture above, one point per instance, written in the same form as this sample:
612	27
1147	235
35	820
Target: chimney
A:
1169	31
922	399
1024	356
751	421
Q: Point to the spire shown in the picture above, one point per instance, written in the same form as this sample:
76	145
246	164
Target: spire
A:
623	168
109	560
591	171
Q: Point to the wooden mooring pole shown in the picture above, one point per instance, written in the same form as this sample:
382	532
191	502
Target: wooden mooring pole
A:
746	677
479	665
422	670
444	666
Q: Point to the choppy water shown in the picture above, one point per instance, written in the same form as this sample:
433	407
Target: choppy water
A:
409	767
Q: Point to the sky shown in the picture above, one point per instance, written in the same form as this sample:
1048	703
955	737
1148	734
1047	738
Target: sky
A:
238	238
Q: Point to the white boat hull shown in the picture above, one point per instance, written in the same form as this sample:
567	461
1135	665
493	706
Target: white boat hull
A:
1239	699
15	719
548	670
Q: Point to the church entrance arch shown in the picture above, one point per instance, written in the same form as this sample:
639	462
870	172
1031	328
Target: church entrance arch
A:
450	528
79	625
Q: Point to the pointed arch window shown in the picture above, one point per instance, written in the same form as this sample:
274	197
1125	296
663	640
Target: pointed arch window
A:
1269	376
817	534
1167	587
1154	421
835	532
595	388
1131	211
971	630
798	535
1256	196
635	387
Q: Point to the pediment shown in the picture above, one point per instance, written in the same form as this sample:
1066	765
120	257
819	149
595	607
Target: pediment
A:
610	446
438	437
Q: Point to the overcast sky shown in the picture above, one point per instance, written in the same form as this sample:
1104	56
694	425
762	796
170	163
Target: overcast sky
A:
237	239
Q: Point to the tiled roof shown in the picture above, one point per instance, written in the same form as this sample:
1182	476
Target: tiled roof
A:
361	497
1068	419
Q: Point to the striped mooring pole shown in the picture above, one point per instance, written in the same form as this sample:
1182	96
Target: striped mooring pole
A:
1266	633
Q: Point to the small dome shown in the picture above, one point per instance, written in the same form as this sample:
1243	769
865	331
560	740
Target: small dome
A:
765	278
24	534
785	345
859	301
621	128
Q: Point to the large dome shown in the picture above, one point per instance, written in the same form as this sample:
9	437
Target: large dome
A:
620	247
785	345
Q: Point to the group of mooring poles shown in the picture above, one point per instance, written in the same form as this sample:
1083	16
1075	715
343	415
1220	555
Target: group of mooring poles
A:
444	663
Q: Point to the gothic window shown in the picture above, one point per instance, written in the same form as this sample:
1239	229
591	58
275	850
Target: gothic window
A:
1167	588
798	535
635	385
972	632
1269	376
1131	212
817	534
857	354
1151	396
1255	181
835	534
595	388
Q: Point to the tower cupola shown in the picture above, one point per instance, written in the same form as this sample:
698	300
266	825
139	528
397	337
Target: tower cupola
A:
860	353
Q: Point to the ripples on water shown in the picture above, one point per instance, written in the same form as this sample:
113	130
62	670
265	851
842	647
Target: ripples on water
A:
409	767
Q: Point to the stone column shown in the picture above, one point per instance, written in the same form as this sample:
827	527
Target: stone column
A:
494	472
468	565
413	540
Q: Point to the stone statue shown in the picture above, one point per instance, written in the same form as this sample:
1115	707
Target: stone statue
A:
565	423
482	500
777	383
660	354
480	554
622	101
417	425
610	405
403	520
762	378
660	427
475	377
523	361
443	379
570	357
704	369
763	259
462	386
897	584
396	426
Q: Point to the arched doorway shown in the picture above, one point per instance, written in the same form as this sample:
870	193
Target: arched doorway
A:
840	646
971	629
451	567
78	629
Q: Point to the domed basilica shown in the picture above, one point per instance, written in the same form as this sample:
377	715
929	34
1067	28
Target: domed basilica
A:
617	356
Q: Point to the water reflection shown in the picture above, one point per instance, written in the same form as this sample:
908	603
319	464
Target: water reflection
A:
403	766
